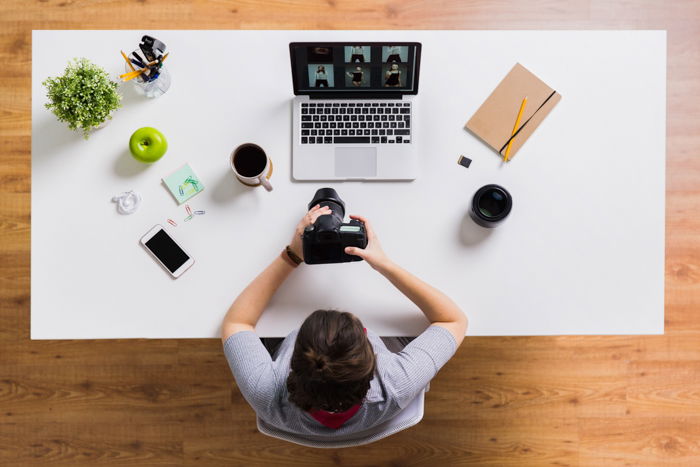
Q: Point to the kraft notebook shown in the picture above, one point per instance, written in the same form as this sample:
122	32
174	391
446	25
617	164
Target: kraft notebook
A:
493	121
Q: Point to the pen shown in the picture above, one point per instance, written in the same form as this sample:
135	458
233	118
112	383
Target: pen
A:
515	128
140	62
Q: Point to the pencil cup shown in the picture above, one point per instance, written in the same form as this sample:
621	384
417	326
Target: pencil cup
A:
491	204
155	88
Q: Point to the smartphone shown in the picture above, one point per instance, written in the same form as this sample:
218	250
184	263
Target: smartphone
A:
166	251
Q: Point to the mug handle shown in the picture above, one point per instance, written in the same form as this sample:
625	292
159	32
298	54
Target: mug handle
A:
265	183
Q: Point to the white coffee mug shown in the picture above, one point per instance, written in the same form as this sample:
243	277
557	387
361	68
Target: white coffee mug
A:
251	165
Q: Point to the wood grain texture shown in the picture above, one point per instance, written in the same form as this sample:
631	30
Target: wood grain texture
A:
500	401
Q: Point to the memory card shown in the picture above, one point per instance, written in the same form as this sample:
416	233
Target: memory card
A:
464	161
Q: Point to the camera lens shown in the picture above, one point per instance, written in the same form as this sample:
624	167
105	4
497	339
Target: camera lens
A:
492	203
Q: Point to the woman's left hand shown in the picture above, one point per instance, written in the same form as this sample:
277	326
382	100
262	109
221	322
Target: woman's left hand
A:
308	219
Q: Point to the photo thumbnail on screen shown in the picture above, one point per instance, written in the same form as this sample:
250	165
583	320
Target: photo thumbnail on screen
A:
321	76
358	54
319	54
357	76
395	75
395	54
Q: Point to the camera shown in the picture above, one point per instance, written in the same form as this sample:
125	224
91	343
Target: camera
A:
325	240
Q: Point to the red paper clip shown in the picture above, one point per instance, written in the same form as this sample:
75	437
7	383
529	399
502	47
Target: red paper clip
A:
172	222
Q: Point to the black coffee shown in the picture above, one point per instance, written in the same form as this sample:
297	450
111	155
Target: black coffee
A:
249	160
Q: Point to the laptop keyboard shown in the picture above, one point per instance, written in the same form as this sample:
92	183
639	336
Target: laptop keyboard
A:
336	122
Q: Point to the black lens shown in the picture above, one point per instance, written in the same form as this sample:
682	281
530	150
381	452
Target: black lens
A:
492	203
329	197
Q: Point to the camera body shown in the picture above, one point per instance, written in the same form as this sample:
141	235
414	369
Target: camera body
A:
325	240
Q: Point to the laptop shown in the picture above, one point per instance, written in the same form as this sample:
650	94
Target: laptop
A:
353	114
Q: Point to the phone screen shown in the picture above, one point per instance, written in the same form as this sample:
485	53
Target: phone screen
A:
167	251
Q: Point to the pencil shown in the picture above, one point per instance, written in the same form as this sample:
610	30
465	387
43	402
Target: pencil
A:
515	128
132	74
128	61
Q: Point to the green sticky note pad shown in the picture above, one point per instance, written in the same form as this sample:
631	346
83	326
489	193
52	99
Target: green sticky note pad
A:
183	183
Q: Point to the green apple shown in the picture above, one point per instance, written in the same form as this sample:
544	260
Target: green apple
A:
147	144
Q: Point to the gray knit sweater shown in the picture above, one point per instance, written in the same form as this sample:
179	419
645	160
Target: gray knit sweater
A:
399	377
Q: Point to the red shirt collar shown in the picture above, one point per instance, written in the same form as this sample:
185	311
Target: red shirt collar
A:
334	419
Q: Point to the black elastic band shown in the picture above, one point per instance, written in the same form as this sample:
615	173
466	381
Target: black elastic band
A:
525	123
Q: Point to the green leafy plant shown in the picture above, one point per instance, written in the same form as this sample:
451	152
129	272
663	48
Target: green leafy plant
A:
84	97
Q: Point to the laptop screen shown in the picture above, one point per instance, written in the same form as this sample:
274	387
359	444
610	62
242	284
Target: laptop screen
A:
355	68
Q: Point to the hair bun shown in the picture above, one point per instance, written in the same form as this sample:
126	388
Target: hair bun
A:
319	364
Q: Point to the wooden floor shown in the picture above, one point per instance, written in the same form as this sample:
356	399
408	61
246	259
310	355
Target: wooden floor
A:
500	401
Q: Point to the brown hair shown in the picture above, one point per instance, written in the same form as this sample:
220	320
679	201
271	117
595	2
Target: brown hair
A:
332	363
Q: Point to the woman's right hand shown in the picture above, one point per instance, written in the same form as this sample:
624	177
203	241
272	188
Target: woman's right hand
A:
372	253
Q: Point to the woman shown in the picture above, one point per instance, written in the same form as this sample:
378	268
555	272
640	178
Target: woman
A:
331	378
357	54
394	52
393	77
321	77
356	76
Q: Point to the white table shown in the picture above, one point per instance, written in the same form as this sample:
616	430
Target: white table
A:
581	253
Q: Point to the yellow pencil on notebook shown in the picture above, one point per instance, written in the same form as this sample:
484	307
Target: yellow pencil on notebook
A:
515	128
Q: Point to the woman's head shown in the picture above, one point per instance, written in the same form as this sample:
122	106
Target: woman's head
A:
394	67
332	363
321	69
358	68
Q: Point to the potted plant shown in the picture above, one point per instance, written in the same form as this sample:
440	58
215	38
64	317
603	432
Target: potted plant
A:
84	97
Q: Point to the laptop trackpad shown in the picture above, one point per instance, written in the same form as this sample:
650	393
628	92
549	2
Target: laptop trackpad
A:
355	162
